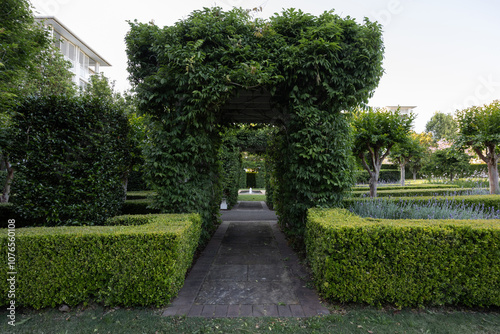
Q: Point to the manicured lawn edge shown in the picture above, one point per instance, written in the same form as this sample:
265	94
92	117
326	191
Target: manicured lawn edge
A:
404	262
133	265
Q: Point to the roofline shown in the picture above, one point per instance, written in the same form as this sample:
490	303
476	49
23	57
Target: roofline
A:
88	49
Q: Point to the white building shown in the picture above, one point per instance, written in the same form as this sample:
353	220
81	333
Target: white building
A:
405	110
85	61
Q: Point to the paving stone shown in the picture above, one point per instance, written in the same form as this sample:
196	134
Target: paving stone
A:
246	311
297	311
208	311
221	311
228	273
265	310
233	311
195	311
170	311
284	311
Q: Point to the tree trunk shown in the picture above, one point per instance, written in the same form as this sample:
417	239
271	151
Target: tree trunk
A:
125	186
403	175
493	176
8	182
374	181
414	176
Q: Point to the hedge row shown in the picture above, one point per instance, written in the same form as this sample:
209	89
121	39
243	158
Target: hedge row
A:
114	265
397	187
404	262
488	201
415	192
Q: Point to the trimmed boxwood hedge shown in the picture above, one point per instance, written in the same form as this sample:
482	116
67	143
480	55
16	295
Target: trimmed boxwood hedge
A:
136	265
489	201
404	262
414	192
398	187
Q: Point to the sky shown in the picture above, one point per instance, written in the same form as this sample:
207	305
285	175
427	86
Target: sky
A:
439	55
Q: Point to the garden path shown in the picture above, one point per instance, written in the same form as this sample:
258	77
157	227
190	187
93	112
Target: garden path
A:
247	269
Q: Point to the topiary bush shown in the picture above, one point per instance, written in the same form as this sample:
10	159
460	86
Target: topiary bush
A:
404	262
71	154
136	261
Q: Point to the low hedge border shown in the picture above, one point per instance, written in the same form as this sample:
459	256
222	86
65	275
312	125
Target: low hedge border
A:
138	207
404	262
397	187
488	201
138	265
415	192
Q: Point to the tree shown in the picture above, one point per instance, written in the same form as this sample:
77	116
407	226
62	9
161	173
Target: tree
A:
376	131
448	162
480	129
403	152
422	155
20	40
442	126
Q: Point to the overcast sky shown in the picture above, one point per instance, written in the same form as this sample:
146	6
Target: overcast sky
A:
440	55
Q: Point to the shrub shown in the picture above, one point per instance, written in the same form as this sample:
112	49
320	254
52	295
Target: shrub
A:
138	206
404	262
71	156
423	192
432	209
114	265
486	201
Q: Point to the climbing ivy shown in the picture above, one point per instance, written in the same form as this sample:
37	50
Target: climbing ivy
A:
314	67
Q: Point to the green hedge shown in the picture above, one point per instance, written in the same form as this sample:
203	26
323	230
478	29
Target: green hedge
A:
398	187
138	207
415	192
114	265
489	201
403	262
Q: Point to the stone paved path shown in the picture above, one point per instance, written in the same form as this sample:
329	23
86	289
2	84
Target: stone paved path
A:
247	269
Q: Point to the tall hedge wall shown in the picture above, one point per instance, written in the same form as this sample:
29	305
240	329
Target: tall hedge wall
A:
403	262
70	155
143	264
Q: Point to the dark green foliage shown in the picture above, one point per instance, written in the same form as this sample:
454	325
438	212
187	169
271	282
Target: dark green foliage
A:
144	264
251	180
313	67
70	154
230	159
448	162
404	262
138	206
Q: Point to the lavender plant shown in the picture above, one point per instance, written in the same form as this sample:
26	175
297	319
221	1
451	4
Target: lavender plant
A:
433	209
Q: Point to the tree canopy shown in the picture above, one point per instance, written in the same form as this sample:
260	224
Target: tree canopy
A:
376	131
442	126
480	129
311	67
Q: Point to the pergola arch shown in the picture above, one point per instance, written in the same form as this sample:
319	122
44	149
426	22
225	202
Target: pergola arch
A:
295	71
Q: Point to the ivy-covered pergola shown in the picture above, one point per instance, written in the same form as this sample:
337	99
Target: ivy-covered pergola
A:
299	72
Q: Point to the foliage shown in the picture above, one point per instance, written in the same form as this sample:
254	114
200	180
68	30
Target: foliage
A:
376	131
230	158
70	157
398	192
442	126
20	41
480	129
448	162
142	264
485	201
404	262
47	74
313	68
432	209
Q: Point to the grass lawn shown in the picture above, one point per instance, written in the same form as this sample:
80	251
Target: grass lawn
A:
252	197
349	319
